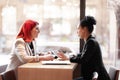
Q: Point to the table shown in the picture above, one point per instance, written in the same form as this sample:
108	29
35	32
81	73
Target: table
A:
38	71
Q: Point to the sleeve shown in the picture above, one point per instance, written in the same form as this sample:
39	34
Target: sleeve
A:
88	53
95	75
21	52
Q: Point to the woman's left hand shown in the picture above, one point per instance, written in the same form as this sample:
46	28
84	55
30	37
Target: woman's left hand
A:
62	56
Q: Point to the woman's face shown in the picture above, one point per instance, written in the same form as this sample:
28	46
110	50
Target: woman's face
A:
34	32
81	32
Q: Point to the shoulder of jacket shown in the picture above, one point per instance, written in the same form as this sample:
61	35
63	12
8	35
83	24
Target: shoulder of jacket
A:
92	41
19	40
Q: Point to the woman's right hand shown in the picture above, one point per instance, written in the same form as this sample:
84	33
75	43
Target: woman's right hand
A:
48	57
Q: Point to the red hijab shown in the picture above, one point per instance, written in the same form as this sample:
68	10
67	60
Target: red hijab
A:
25	31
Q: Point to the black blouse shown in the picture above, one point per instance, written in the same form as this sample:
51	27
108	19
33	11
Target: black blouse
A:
32	48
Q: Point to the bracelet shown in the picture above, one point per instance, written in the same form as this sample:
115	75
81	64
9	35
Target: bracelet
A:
36	58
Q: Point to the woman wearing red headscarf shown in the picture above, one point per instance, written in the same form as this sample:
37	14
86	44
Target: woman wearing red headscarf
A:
24	50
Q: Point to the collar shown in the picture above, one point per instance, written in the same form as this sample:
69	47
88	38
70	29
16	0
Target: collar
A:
90	37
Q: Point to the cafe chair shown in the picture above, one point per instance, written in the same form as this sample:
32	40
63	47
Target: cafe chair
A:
8	75
114	73
3	68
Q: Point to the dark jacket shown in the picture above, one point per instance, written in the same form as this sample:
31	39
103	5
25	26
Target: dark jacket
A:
91	60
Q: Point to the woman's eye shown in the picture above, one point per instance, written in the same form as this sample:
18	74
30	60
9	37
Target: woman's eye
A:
37	28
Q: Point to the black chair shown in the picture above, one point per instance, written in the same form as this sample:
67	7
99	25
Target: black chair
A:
9	75
114	73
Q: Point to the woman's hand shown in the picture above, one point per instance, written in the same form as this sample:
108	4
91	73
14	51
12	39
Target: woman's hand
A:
62	56
48	57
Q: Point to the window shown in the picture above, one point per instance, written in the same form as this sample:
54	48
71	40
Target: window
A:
58	22
9	26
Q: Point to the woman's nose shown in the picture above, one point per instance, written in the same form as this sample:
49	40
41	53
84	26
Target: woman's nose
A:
38	31
77	31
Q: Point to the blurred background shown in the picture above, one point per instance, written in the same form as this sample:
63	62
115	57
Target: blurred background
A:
58	23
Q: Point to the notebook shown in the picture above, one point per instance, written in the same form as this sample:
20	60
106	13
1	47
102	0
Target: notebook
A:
56	62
